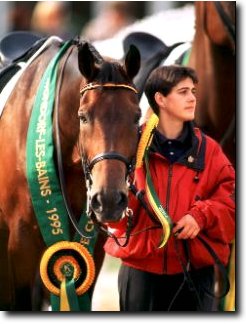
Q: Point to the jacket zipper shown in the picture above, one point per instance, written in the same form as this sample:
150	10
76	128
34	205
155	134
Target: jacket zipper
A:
170	174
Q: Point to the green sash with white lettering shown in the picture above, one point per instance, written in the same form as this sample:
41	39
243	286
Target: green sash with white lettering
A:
64	256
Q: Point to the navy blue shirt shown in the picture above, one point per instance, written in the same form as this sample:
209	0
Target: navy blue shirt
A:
173	149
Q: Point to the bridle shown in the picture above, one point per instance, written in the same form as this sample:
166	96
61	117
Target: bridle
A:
91	86
88	166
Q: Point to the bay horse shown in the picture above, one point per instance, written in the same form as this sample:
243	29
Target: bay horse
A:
213	57
98	115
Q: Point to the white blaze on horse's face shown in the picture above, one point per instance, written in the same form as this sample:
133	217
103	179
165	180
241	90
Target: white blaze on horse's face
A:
109	114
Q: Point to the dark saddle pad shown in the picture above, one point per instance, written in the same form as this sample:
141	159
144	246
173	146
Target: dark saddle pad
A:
153	51
16	47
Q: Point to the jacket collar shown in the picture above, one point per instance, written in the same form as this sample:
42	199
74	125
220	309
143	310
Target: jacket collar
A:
194	157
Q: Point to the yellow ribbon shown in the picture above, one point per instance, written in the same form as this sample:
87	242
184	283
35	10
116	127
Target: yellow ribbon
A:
143	146
145	139
64	304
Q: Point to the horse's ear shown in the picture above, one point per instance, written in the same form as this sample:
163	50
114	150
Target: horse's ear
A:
132	61
86	61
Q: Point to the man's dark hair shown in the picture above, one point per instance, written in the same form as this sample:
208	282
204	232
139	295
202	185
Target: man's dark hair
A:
163	79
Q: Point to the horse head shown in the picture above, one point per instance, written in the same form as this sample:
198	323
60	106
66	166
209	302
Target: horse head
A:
109	114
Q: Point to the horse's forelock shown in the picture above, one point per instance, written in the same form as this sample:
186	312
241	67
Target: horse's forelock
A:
112	72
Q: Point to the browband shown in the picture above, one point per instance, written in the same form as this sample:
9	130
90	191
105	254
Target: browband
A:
91	86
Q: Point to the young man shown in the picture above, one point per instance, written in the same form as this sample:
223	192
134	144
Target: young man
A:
194	182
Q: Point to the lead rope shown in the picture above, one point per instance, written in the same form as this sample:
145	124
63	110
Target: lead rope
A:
187	277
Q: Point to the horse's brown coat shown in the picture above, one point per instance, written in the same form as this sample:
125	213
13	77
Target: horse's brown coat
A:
213	57
112	127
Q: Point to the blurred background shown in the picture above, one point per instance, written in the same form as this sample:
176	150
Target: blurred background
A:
71	18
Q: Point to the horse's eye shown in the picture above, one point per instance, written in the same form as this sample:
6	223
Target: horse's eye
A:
83	118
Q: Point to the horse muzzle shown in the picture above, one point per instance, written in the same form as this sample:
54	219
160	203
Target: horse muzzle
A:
108	205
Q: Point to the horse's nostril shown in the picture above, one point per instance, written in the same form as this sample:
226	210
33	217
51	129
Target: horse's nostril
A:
96	203
115	200
122	200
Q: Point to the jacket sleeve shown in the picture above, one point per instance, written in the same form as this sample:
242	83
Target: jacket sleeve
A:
216	213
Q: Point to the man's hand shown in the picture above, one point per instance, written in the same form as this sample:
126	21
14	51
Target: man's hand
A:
186	228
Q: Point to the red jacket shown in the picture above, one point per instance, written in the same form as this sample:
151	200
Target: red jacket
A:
210	200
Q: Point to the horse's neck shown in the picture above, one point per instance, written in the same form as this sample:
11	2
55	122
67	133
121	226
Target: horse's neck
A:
69	99
69	102
215	68
215	61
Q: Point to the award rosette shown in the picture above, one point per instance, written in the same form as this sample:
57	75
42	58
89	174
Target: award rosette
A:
67	269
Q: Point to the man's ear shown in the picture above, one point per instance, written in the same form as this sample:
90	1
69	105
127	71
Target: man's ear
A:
160	99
